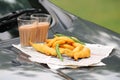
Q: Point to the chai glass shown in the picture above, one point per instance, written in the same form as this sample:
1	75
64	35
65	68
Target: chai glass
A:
42	26
27	27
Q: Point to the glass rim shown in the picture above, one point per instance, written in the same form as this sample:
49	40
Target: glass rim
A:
26	18
40	15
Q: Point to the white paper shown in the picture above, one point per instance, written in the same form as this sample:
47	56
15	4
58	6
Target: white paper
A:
98	52
52	66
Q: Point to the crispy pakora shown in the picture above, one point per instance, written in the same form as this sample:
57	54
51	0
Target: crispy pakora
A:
67	46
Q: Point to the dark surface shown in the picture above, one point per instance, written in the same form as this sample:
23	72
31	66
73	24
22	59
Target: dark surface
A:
15	66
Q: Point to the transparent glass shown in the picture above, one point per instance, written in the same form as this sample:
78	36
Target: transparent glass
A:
27	27
42	27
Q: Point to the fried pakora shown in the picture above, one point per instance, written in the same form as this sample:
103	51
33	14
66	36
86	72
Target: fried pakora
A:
67	47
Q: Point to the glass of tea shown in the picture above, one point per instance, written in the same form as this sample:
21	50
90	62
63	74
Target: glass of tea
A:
42	26
27	27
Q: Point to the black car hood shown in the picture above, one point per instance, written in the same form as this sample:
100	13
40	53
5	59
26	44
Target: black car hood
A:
68	24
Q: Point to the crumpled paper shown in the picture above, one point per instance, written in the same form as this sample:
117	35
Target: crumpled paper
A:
98	52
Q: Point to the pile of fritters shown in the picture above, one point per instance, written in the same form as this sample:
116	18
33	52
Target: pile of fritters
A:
67	46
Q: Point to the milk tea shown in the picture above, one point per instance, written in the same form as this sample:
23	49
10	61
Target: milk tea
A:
42	31
27	33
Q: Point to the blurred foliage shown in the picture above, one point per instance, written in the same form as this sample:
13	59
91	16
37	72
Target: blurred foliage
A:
102	12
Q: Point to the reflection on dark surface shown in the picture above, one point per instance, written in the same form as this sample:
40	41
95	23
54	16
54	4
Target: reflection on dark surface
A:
24	71
9	34
6	7
100	73
27	72
62	22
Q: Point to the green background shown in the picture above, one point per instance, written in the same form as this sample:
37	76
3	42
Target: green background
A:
103	12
